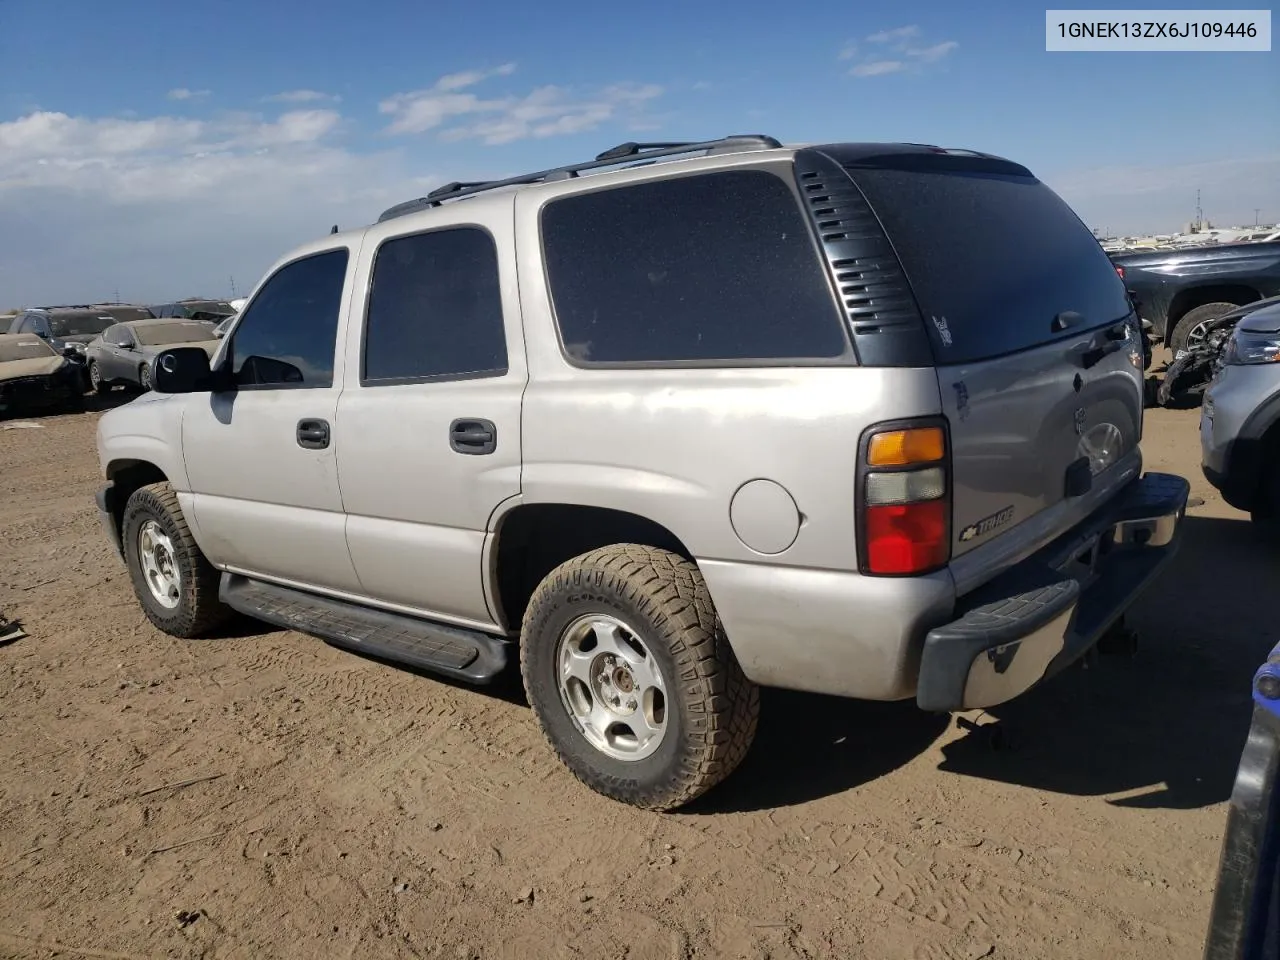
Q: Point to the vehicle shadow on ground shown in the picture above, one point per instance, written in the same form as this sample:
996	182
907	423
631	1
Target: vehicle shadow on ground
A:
810	746
1167	726
109	401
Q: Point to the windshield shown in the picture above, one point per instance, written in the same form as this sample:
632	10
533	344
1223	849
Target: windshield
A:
23	348
79	324
180	331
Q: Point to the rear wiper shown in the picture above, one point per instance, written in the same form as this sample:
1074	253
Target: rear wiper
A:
1065	320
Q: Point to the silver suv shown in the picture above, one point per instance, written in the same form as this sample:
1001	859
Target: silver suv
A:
666	426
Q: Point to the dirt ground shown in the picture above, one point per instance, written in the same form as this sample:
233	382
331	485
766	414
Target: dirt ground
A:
338	807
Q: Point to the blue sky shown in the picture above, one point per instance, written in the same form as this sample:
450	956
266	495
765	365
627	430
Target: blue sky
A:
159	149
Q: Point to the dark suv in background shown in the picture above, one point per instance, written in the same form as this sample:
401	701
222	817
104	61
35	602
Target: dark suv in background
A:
194	309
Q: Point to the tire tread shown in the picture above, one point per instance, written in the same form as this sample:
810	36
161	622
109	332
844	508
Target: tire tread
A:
204	611
724	706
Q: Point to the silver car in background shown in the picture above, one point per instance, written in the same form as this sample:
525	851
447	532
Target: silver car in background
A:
1240	421
122	355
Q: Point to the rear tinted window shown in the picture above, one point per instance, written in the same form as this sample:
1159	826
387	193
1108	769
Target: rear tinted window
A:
716	267
435	308
79	324
180	331
992	259
123	314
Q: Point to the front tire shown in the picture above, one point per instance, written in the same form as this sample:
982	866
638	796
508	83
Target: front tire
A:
176	586
96	383
632	679
1184	331
144	377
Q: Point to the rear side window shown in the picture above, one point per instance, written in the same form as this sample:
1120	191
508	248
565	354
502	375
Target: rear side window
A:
435	309
714	267
992	259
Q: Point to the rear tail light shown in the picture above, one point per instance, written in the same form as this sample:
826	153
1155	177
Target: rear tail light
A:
904	500
1120	272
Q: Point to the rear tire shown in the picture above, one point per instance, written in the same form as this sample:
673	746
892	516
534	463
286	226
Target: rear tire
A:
160	551
662	611
1188	322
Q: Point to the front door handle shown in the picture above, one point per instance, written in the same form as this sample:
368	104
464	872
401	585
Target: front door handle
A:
313	434
473	436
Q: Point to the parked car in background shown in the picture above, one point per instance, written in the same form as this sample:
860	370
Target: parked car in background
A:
67	329
1179	291
193	309
63	326
1240	420
1194	367
752	415
123	354
35	378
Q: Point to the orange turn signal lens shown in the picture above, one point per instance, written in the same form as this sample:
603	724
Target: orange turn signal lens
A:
901	448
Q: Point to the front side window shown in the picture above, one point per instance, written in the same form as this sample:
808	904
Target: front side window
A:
288	334
706	268
435	309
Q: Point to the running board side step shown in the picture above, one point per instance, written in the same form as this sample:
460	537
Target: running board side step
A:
453	651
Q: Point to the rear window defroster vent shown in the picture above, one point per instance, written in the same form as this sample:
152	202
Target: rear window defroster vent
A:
877	301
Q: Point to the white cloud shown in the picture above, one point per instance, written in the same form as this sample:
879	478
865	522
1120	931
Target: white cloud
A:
469	78
163	205
934	53
895	35
876	68
543	112
907	56
302	96
167	206
182	93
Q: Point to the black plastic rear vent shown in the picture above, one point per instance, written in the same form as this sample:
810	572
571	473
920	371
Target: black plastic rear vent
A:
883	317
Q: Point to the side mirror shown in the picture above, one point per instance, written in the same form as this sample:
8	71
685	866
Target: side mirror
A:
127	344
182	370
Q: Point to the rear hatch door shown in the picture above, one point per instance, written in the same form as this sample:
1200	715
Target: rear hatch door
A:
1038	353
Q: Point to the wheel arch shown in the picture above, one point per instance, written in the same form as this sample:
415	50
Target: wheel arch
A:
127	475
529	540
1188	298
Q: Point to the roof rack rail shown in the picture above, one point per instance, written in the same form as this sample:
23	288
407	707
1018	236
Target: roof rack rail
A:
621	154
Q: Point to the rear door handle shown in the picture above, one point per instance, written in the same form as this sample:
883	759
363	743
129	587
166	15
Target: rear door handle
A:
473	436
313	434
